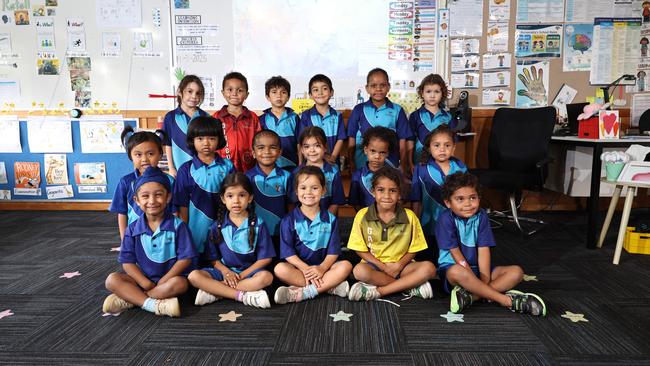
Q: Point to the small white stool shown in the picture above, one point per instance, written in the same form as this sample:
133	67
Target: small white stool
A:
629	197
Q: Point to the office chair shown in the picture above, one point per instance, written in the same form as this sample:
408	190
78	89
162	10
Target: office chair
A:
644	122
517	155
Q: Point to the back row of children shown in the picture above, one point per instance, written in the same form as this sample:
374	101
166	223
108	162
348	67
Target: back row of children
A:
223	208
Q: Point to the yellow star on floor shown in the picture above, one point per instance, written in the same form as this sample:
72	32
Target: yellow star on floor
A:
529	278
574	317
229	316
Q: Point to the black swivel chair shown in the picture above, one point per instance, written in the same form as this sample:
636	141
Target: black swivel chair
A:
517	154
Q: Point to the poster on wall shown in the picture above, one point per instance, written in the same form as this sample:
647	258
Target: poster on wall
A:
531	84
101	134
56	170
496	97
27	178
3	173
540	40
49	134
578	39
90	173
10	132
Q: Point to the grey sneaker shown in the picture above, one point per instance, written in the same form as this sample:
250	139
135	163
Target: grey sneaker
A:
461	299
114	304
258	299
204	297
341	290
424	291
363	292
169	307
527	303
286	294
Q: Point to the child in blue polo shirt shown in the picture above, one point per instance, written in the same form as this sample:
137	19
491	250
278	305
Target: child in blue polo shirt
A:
282	120
270	183
239	249
144	149
196	192
433	92
313	145
379	111
189	96
437	162
377	143
465	238
324	116
156	253
310	244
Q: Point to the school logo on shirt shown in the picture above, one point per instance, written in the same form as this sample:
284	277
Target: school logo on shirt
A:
277	187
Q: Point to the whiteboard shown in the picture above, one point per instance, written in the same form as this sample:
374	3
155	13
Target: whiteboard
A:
126	80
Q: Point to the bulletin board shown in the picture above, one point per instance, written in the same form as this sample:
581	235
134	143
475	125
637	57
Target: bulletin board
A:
117	165
129	54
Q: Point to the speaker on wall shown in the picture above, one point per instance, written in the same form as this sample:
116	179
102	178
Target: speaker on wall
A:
461	114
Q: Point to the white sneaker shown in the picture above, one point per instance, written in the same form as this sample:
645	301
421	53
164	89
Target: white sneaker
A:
424	291
341	290
204	297
286	294
169	307
114	304
363	292
258	299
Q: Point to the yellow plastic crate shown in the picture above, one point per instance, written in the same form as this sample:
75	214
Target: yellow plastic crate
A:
637	243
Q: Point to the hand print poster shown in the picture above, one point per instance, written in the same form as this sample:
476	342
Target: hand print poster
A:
531	84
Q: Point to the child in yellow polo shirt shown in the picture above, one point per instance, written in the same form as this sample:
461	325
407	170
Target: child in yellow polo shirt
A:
387	236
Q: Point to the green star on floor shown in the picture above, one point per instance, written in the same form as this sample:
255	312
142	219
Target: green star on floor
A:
530	278
574	317
341	315
451	317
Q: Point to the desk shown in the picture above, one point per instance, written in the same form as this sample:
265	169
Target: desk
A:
594	188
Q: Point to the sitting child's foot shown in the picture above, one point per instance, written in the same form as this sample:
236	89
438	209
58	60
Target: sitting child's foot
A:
461	299
114	304
286	294
424	291
169	307
204	297
363	292
341	290
258	299
527	303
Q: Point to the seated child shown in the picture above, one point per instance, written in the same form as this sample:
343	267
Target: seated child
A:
239	248
310	244
156	253
377	143
465	237
144	149
387	236
281	120
269	183
198	182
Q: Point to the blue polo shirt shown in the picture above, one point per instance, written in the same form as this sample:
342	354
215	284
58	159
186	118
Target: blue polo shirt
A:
426	187
331	123
311	241
175	126
287	128
197	188
366	115
270	192
157	252
422	122
334	194
465	234
123	201
234	250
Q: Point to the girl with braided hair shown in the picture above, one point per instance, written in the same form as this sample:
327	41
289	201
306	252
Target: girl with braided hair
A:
239	248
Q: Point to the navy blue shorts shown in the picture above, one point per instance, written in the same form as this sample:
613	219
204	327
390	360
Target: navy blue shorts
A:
442	275
217	275
379	270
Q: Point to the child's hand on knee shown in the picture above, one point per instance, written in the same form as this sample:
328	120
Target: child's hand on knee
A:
393	269
231	278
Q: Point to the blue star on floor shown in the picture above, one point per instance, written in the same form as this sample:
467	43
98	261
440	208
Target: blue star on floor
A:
451	317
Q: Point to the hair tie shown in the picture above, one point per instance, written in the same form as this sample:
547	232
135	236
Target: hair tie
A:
127	137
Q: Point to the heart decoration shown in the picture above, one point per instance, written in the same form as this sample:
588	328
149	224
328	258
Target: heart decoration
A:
609	120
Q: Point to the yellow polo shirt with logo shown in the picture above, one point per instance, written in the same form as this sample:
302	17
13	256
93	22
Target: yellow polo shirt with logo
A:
388	242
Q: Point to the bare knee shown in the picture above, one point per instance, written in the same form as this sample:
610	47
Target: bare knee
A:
265	278
362	272
281	270
429	269
457	274
195	276
111	281
178	284
517	272
344	266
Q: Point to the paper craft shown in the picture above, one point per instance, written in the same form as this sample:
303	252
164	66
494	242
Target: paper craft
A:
496	97
3	173
496	79
532	84
574	317
497	61
230	316
27	174
10	132
70	274
5	313
528	278
609	125
101	135
451	317
90	173
56	171
49	135
341	316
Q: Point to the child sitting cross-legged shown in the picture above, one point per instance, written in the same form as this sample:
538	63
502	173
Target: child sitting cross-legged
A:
465	238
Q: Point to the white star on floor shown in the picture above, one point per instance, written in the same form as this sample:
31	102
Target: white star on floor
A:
451	317
530	278
230	316
112	314
574	317
6	313
115	249
341	315
70	274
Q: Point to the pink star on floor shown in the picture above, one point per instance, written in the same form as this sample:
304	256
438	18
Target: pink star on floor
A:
70	274
109	314
6	313
116	249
